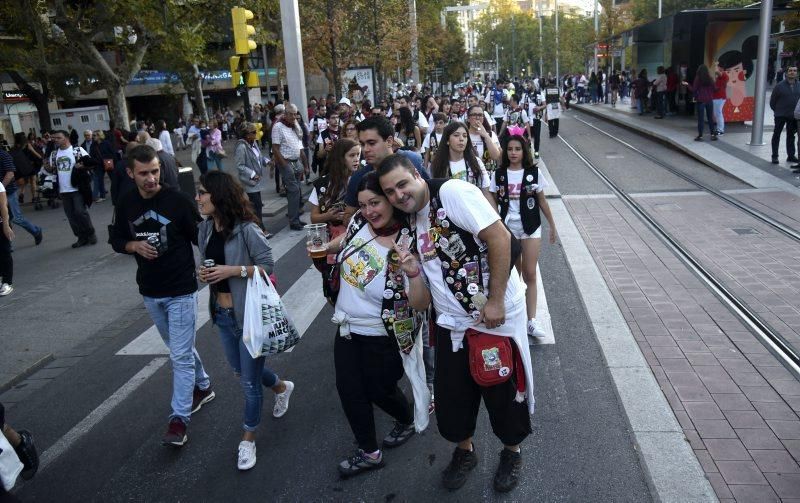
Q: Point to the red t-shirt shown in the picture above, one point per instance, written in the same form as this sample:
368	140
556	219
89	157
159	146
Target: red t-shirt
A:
720	86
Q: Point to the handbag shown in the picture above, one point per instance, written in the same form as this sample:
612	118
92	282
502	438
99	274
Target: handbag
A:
10	465
491	357
267	327
108	165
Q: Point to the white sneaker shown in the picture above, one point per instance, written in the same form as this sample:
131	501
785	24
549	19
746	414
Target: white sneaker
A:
534	329
247	455
5	289
282	400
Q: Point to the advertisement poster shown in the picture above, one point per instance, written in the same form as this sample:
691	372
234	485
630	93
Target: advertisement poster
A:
358	84
734	45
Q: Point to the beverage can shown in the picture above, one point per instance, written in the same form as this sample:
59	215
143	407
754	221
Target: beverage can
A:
209	263
153	241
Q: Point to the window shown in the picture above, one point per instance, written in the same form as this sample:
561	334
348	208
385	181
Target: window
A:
100	117
84	119
56	121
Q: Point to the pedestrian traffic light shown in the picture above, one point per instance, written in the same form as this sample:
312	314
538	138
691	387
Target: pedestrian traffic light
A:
242	30
236	70
259	132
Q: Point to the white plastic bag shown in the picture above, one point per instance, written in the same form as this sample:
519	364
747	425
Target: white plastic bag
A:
267	328
10	465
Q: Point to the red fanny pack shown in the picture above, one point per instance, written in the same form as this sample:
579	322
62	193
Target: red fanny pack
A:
493	359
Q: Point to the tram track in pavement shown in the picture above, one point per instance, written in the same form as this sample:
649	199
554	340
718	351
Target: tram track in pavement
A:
787	354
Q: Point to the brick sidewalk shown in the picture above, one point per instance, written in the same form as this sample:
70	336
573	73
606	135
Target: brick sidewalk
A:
735	402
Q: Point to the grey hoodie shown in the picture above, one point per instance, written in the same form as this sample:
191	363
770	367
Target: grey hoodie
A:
247	245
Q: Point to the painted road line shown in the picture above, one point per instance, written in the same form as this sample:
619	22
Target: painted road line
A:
150	343
97	415
543	312
304	300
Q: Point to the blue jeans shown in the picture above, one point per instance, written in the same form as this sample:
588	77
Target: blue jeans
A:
708	110
640	105
251	371
98	187
16	214
214	159
176	319
718	115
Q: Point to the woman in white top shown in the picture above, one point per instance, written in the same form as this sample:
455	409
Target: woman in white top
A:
456	159
377	342
327	198
484	140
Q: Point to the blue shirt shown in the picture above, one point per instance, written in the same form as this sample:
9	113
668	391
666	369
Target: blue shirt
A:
351	198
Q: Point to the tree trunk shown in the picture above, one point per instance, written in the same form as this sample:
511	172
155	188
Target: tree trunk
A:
38	98
117	107
199	101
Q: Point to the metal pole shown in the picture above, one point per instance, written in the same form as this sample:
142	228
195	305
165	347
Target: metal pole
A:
596	33
266	68
778	63
659	8
513	47
541	44
496	61
293	54
412	21
558	75
757	134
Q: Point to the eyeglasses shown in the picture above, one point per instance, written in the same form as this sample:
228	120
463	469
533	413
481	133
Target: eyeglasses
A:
201	192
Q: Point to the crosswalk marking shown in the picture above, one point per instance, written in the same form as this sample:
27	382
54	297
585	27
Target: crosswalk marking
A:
304	300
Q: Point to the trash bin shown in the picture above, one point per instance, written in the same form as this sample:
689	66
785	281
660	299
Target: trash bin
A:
186	181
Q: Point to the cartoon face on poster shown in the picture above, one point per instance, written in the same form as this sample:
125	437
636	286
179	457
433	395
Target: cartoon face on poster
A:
731	49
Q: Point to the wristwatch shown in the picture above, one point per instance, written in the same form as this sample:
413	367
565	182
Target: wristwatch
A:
244	272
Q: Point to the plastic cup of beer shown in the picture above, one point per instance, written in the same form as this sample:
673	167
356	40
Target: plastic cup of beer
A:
317	240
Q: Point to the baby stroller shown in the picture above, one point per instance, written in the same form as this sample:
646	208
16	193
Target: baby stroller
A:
47	189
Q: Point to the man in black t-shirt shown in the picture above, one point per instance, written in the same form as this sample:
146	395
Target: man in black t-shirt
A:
158	225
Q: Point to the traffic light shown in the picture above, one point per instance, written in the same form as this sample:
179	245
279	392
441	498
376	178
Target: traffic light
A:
242	30
236	71
252	79
259	132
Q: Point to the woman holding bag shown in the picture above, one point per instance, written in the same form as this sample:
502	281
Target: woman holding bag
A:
232	238
381	288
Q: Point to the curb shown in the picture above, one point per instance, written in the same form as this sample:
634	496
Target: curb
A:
41	362
733	166
671	468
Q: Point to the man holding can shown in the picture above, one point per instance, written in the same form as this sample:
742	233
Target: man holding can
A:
158	225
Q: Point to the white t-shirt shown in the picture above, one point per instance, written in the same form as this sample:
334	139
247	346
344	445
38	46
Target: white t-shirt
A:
477	140
422	121
65	162
166	142
426	143
465	206
458	171
514	189
512	117
363	281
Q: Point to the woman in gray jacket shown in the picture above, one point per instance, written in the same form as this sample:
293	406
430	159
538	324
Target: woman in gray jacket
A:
252	168
231	237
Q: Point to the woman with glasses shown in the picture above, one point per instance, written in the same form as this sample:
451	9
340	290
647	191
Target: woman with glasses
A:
483	139
350	131
232	238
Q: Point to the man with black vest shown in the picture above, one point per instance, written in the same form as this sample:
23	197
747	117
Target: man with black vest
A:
466	255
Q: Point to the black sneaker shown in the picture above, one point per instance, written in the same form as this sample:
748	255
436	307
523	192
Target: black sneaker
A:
791	158
37	238
176	433
201	397
359	463
26	451
80	242
775	160
92	239
399	435
507	475
455	475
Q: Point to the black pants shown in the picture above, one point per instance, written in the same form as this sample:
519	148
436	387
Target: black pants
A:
258	206
791	129
458	398
367	372
77	214
553	125
498	124
537	134
202	162
6	268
